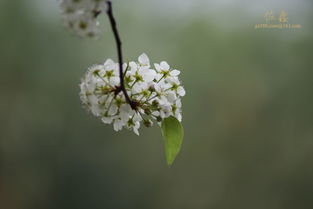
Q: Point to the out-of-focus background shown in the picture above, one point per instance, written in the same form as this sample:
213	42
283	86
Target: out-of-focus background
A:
248	113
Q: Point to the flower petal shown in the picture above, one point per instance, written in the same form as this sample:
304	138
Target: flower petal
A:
157	67
164	65
144	59
174	72
181	91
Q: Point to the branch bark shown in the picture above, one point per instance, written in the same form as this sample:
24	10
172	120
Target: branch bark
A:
119	53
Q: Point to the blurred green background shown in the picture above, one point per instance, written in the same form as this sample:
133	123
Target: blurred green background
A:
248	113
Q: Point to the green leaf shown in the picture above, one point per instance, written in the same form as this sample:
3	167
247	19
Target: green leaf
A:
173	134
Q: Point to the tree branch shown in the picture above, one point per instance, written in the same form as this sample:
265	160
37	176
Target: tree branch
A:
119	54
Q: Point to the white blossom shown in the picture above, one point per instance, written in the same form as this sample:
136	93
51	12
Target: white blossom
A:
80	16
155	93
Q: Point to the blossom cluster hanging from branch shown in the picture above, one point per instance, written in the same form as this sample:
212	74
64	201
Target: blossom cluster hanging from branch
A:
127	94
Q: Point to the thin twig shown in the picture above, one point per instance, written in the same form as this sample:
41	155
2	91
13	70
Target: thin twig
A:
119	54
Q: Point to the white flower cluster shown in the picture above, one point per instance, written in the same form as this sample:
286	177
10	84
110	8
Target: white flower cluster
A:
80	16
155	93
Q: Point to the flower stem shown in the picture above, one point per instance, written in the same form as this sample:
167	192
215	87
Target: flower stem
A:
119	53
